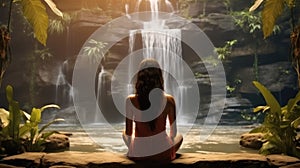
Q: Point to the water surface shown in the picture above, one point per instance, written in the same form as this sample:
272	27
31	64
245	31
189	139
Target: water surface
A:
97	137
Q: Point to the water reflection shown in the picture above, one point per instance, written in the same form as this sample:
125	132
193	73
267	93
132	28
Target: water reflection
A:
225	139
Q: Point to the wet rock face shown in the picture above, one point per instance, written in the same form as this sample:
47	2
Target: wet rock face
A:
279	77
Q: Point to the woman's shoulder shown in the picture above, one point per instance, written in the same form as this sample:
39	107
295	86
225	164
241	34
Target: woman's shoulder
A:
170	98
131	97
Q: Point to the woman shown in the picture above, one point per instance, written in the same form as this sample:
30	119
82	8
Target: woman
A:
149	108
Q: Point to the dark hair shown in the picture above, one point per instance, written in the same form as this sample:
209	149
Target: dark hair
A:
149	77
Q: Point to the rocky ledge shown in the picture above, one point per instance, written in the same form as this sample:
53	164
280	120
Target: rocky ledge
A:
71	159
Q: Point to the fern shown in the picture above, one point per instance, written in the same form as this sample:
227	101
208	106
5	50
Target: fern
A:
272	9
35	13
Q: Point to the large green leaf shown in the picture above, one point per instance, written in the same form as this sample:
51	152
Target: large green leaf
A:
272	9
275	108
35	13
35	117
14	116
14	119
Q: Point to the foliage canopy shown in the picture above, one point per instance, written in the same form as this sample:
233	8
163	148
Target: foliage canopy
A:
35	13
272	9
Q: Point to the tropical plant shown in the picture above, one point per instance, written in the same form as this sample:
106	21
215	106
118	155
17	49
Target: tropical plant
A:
250	23
94	50
35	137
247	21
61	24
279	125
225	51
271	11
19	130
35	13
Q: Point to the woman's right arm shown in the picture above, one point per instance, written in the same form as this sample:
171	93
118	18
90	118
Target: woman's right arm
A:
172	117
128	129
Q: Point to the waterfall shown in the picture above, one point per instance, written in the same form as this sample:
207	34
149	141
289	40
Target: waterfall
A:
63	89
169	42
164	45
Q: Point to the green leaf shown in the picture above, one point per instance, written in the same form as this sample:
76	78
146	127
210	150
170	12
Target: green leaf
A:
53	7
25	115
35	117
35	13
261	129
261	108
14	119
50	106
266	148
285	124
49	123
255	5
296	123
4	114
47	134
290	3
284	111
271	11
24	129
293	102
9	93
275	108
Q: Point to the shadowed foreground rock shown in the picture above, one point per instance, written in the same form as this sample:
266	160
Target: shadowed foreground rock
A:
105	159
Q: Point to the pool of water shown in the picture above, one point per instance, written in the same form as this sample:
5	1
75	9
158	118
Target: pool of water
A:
224	139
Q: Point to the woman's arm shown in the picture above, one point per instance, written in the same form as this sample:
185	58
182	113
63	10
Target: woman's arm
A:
172	117
128	122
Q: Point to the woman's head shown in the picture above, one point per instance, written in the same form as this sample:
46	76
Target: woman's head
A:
149	77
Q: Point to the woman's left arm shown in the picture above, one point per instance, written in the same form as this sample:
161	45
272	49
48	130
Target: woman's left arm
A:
128	129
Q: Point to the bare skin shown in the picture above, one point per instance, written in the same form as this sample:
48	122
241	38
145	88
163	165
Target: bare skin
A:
142	129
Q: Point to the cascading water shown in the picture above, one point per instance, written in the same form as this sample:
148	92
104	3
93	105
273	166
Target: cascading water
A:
163	45
157	35
64	90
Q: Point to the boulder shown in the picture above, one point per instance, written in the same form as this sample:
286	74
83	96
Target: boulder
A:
57	142
252	140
